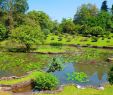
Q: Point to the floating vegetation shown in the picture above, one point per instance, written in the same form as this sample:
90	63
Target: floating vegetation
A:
78	76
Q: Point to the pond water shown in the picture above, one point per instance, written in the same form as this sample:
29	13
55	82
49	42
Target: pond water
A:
97	75
90	61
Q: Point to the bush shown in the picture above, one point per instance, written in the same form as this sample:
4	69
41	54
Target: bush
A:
46	31
95	31
110	76
88	44
68	40
2	32
103	38
60	39
52	38
109	37
94	39
45	81
56	44
108	41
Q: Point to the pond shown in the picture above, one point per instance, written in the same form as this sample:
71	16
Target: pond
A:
88	60
97	75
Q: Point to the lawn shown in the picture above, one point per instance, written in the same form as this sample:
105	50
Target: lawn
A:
79	40
72	90
16	81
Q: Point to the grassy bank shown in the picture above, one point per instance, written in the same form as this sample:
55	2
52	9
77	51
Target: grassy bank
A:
80	40
71	90
16	81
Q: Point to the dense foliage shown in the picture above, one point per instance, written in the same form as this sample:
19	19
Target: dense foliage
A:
78	76
27	35
2	32
45	81
31	27
110	76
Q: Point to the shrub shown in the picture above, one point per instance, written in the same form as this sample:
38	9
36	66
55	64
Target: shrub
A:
110	76
88	44
45	81
60	39
46	31
2	32
52	38
108	41
109	37
56	44
103	38
94	39
68	40
95	31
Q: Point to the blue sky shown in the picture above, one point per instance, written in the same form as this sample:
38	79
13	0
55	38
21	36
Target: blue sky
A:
58	9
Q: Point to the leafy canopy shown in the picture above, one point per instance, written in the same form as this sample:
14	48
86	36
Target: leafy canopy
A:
28	35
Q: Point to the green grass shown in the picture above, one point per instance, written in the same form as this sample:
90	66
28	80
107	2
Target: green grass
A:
16	81
107	41
72	90
54	49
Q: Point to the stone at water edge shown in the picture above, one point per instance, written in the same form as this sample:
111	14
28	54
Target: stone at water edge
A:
80	87
110	59
100	88
0	88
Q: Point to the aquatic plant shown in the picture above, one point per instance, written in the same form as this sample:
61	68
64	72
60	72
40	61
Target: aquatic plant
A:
56	64
77	76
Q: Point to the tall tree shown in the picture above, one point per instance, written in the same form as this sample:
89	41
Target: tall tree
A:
12	8
41	18
104	6
112	9
67	26
84	13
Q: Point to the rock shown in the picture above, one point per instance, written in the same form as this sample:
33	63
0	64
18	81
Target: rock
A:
100	88
0	88
80	87
5	88
110	59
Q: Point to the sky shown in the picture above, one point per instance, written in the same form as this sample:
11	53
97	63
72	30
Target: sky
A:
58	9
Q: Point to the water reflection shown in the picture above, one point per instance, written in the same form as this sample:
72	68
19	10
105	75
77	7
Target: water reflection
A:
97	74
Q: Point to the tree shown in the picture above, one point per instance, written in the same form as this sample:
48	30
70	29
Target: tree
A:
28	35
85	13
13	8
55	28
110	76
41	18
104	6
67	26
103	20
3	32
112	9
